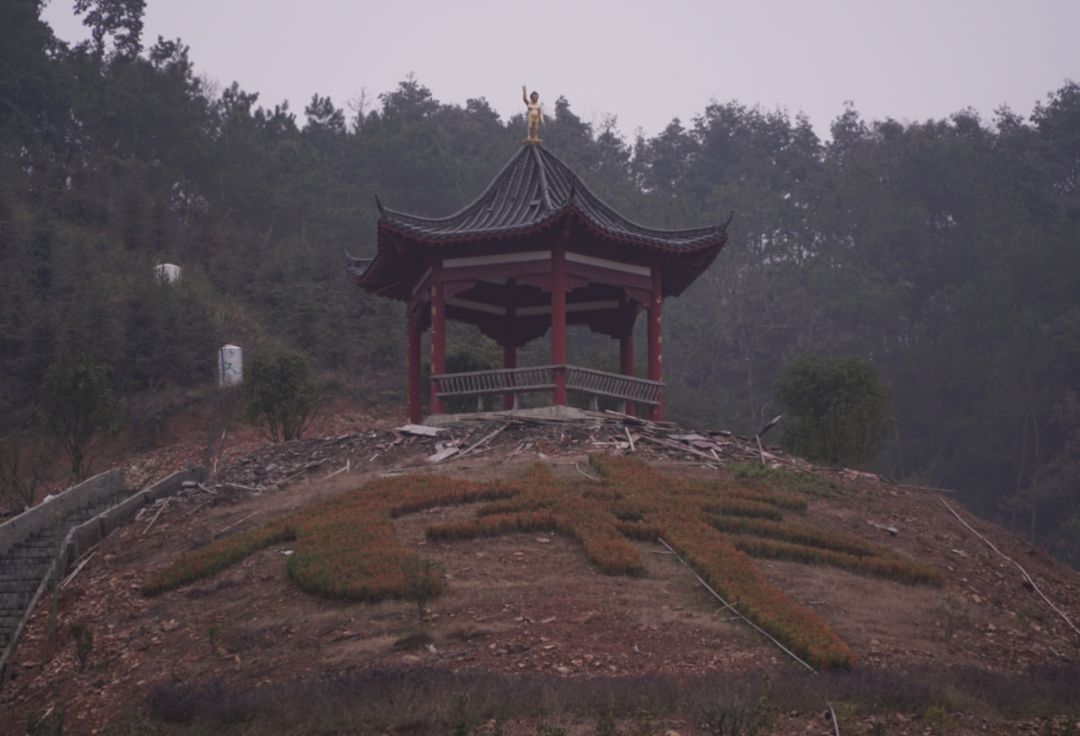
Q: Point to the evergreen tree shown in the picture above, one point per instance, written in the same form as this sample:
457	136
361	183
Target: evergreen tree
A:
837	409
79	409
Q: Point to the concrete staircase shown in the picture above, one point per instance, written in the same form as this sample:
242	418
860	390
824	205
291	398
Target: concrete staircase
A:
39	545
24	566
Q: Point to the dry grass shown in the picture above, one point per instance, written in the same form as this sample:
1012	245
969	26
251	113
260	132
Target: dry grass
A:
347	547
547	504
214	558
890	566
678	510
428	701
343	548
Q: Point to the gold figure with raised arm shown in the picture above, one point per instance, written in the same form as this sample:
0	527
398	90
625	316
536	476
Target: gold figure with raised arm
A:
534	116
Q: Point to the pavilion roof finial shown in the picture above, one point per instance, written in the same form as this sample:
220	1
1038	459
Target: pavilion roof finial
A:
534	116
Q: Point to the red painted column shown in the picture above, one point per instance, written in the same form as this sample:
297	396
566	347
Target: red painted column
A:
509	361
558	320
656	339
509	353
626	364
414	368
438	333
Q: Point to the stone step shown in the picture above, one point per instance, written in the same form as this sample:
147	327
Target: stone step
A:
16	555
25	565
46	536
20	586
14	560
29	575
50	532
23	547
45	543
24	573
20	566
14	601
20	577
47	546
19	557
17	573
49	550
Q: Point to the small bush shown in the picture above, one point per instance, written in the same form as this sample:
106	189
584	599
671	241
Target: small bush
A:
937	720
953	618
281	394
605	721
49	723
838	409
84	643
643	724
424	580
736	712
772	479
213	635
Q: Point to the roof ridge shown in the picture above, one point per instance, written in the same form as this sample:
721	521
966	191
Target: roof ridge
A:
495	181
542	169
644	230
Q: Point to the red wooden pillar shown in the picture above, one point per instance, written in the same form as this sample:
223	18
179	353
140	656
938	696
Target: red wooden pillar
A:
656	340
438	333
509	361
558	321
509	347
414	368
626	364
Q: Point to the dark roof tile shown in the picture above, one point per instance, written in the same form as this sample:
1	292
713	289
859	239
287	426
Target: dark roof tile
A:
534	188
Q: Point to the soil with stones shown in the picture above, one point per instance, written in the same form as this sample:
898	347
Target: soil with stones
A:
531	606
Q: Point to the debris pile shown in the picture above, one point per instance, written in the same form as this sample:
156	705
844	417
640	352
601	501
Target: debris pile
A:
507	435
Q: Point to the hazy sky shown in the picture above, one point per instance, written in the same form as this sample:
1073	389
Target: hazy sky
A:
645	62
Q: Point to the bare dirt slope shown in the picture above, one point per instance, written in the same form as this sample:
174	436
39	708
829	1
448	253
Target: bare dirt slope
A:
530	606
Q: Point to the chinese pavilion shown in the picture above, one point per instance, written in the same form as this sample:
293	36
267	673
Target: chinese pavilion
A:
535	251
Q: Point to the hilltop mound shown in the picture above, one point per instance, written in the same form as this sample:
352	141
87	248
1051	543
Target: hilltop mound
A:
279	597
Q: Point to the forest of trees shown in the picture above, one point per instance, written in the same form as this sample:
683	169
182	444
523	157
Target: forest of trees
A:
947	252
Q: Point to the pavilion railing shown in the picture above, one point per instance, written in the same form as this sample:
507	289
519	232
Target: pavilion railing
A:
541	378
498	381
613	385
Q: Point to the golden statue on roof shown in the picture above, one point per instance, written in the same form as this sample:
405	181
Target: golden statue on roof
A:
534	115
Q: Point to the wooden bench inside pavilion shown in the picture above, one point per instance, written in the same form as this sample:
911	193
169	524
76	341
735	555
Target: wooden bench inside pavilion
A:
535	252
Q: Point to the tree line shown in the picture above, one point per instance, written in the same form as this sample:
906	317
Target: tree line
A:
945	251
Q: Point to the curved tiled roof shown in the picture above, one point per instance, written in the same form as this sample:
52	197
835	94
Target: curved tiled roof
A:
533	189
